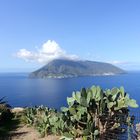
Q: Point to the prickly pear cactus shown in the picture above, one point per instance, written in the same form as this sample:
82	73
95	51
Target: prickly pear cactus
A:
91	114
94	111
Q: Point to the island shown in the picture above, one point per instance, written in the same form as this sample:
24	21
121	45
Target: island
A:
60	68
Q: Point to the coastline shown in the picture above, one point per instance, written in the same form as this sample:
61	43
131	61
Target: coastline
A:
73	76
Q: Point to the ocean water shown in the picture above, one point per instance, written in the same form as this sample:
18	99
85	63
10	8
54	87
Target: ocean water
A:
19	90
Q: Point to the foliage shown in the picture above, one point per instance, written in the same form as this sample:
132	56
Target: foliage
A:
45	120
6	119
91	114
5	112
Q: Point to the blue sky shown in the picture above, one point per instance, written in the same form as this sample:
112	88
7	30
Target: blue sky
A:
99	30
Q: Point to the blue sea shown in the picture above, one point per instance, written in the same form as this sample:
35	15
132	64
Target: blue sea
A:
19	90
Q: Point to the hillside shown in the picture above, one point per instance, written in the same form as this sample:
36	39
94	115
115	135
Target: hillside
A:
68	68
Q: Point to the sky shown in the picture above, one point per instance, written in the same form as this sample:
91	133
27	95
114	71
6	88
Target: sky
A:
34	32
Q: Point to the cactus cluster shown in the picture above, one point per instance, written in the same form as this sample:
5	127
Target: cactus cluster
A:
45	120
91	113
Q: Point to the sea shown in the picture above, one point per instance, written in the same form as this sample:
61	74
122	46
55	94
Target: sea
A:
20	91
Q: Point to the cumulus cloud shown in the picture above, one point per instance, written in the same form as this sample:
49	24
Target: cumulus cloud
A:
122	64
128	65
116	62
49	51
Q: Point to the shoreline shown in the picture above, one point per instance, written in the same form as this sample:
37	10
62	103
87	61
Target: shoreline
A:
75	76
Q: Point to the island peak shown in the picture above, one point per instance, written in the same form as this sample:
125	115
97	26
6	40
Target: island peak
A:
61	68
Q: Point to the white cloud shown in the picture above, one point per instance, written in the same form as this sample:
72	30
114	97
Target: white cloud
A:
49	51
123	64
116	62
127	65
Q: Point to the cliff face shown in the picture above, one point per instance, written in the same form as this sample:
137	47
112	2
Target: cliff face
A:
69	68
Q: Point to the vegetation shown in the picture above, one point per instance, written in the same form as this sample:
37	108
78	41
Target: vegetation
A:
6	117
91	114
5	112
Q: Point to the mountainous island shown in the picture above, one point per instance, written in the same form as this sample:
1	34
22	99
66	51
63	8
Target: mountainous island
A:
69	68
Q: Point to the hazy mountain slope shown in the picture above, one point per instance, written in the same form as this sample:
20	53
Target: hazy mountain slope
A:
69	68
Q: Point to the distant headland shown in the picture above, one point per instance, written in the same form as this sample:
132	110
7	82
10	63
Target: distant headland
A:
60	68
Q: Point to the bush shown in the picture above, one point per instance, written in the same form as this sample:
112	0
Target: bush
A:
91	114
5	112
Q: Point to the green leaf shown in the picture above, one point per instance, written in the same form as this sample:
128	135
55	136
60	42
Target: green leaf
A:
127	99
53	120
96	132
108	92
121	104
86	132
78	96
110	105
114	91
89	97
114	97
54	130
98	94
70	101
83	102
132	103
89	117
122	91
82	110
83	93
116	108
73	94
72	110
84	138
98	89
68	135
93	91
64	109
79	115
65	138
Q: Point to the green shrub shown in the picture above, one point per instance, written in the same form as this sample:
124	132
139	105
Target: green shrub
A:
95	112
91	114
5	112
